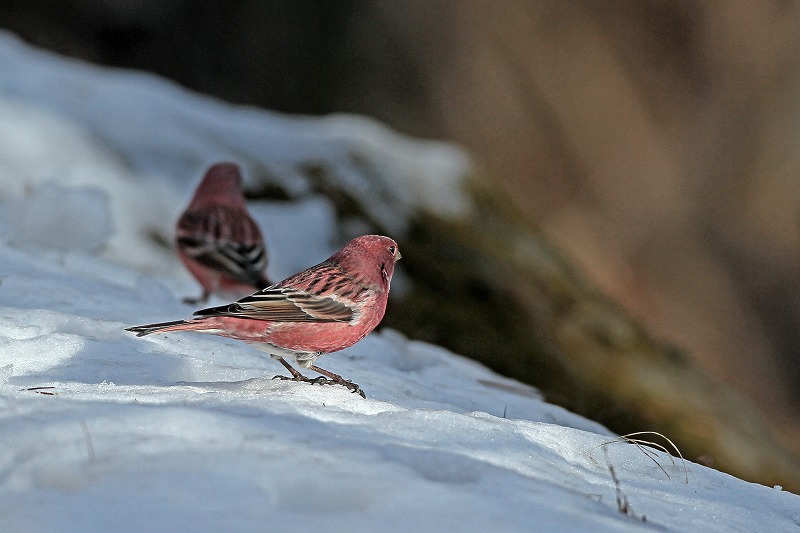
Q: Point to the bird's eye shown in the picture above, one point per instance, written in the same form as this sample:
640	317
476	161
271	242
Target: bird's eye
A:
391	250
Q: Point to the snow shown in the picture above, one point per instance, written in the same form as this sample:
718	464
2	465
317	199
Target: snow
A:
187	432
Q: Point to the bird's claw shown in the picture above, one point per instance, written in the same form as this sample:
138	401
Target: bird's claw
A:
321	380
290	378
354	388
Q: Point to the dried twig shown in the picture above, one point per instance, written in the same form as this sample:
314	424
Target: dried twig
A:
623	505
41	390
646	447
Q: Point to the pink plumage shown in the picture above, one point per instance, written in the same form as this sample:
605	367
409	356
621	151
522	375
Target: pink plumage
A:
323	309
218	241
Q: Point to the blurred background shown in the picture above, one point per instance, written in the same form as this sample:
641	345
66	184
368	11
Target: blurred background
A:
655	143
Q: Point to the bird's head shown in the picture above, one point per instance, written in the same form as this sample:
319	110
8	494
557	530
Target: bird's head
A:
371	258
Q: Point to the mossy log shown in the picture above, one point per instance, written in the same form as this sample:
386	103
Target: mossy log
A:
492	288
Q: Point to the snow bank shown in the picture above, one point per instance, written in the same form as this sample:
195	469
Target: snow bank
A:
185	432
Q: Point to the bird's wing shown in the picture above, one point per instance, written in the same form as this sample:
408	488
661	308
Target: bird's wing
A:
225	241
283	304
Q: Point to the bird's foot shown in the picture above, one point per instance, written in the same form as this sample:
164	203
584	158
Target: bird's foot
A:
352	387
356	389
298	377
329	379
314	381
339	380
321	381
344	383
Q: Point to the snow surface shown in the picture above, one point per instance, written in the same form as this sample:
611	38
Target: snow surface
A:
187	432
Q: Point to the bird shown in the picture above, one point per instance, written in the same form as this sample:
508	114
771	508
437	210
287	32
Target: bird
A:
218	241
323	309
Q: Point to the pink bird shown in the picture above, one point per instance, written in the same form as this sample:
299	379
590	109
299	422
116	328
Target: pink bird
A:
320	310
218	241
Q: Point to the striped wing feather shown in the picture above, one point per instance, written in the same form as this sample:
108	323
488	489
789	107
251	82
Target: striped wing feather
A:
284	305
207	239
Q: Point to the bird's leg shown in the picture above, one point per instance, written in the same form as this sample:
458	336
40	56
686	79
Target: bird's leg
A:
335	379
338	379
203	298
297	376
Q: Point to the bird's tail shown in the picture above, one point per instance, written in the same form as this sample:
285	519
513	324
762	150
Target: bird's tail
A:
147	329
